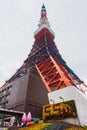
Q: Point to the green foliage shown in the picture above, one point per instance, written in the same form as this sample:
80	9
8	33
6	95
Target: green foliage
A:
85	127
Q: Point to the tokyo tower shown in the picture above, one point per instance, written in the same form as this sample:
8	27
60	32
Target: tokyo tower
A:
45	57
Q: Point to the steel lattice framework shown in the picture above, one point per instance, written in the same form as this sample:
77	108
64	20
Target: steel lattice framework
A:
45	56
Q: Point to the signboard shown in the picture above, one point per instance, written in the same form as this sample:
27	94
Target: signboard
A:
59	111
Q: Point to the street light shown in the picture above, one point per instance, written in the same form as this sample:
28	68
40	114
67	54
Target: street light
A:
61	98
52	101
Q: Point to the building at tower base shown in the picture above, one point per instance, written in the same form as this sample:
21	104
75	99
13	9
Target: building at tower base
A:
26	94
80	99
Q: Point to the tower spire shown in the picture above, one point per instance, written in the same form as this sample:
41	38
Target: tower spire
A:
43	18
43	11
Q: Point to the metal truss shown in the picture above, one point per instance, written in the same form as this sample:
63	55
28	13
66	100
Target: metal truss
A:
52	75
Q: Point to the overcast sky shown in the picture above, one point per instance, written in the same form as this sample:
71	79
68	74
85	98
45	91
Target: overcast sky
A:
19	20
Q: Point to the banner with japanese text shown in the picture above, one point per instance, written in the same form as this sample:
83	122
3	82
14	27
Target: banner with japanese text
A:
59	111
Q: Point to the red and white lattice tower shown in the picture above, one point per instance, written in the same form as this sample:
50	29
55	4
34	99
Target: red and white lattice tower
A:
46	58
60	81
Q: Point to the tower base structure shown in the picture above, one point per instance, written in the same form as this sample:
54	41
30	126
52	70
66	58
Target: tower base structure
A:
80	99
27	94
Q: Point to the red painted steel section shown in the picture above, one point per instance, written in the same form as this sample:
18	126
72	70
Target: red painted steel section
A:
53	75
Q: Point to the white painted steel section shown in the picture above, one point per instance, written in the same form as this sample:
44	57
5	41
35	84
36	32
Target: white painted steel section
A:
72	93
43	26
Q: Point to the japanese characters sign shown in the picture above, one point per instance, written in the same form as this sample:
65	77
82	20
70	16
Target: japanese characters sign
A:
59	110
